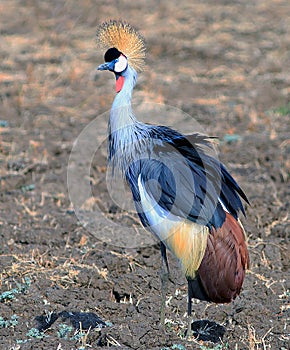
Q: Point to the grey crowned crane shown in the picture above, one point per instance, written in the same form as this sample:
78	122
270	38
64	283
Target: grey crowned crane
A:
182	194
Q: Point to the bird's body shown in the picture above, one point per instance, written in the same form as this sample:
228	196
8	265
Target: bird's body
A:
182	194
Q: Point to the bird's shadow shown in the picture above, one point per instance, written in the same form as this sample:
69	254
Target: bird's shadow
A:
206	330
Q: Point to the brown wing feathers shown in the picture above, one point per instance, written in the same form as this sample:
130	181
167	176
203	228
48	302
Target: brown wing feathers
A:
222	269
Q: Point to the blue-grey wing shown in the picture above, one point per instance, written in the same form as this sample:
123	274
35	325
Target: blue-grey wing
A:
185	181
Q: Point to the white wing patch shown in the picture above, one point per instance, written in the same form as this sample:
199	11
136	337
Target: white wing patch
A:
224	207
186	239
161	221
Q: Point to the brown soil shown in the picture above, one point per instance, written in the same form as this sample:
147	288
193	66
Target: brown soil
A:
225	64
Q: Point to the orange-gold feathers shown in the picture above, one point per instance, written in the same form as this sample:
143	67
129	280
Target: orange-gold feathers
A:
125	38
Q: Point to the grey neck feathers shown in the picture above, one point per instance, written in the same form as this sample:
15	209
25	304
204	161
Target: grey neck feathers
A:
126	133
121	114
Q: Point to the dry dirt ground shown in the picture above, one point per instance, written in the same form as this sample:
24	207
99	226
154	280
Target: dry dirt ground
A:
226	65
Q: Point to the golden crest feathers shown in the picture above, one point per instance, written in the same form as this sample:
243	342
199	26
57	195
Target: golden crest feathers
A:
125	38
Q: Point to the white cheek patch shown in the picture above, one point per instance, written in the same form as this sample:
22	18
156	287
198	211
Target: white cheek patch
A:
121	64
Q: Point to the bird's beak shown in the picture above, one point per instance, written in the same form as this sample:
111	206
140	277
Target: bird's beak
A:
107	66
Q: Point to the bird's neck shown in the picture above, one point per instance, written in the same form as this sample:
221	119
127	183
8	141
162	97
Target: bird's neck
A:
123	125
122	115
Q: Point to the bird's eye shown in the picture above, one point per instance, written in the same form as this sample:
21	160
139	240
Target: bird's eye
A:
121	64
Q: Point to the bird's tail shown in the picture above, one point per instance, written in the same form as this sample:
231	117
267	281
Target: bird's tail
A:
222	270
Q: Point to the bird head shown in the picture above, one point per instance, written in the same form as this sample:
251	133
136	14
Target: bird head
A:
124	45
115	61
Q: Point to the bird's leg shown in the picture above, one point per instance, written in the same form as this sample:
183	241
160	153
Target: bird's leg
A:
189	311
164	277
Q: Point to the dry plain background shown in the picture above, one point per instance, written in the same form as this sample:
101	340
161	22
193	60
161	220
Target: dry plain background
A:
225	63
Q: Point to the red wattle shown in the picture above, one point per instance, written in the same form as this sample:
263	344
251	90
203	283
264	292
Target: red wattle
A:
119	83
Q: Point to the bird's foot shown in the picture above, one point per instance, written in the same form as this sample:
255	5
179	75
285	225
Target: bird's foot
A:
189	333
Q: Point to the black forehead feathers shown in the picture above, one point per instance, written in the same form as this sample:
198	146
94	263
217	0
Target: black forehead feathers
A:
112	54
